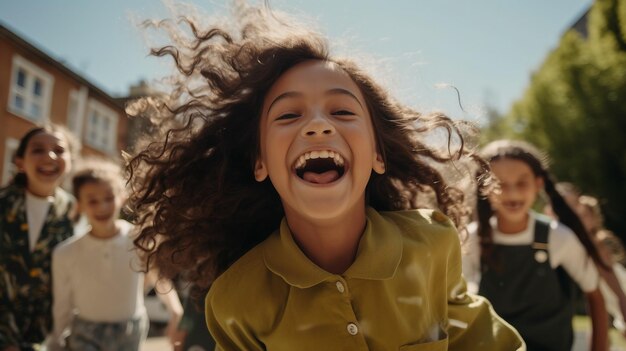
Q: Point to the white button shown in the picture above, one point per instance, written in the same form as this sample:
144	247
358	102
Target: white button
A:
353	329
541	256
340	287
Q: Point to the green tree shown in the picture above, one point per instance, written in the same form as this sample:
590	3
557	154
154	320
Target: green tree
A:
575	110
497	126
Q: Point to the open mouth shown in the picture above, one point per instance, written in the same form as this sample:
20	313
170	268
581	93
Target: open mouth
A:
512	205
48	171
102	218
320	167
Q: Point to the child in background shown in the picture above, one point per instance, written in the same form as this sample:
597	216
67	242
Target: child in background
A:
34	218
523	262
98	286
588	210
613	254
192	334
609	247
590	214
287	182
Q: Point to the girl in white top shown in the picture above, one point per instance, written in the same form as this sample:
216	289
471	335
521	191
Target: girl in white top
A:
98	283
34	218
523	262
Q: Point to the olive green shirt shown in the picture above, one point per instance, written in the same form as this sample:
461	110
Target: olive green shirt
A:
404	291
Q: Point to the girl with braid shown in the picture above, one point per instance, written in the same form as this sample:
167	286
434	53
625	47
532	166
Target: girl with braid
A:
284	179
523	262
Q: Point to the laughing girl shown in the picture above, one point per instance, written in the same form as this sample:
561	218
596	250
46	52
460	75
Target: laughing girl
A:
34	218
285	179
527	264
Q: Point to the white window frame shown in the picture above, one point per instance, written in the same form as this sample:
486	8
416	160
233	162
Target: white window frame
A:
94	134
76	107
8	168
32	72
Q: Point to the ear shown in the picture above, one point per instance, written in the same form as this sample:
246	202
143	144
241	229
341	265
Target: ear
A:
539	182
19	163
260	171
78	210
379	164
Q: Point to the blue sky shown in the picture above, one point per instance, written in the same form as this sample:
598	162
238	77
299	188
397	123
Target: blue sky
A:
486	48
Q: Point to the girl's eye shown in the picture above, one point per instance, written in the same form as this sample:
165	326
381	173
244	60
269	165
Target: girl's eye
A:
37	150
288	116
343	113
59	151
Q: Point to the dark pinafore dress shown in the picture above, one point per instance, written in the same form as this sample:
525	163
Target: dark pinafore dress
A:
529	294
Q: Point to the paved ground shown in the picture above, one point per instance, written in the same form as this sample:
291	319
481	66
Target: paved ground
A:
582	328
156	344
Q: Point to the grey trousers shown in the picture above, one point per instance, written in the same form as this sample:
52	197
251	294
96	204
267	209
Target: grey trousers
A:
105	336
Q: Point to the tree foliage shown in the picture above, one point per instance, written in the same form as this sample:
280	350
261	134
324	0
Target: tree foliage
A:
575	110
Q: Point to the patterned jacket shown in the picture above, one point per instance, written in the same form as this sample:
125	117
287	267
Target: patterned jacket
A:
25	277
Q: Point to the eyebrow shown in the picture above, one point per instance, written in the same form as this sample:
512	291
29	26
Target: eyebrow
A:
334	91
281	97
37	144
341	91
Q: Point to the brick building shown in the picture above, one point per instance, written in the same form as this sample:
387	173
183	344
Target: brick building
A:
36	89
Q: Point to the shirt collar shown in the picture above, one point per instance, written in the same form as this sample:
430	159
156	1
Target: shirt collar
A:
378	255
61	203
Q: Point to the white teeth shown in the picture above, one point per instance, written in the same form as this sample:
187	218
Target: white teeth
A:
338	160
301	161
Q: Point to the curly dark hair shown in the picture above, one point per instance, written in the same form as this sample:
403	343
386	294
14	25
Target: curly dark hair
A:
193	189
538	163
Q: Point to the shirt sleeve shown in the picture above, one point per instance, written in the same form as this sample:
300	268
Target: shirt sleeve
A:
472	322
229	334
62	297
567	251
7	328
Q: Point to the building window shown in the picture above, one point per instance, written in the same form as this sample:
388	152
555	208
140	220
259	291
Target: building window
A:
8	168
73	112
101	127
31	91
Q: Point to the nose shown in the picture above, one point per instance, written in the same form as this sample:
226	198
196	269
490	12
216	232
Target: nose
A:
52	155
318	125
103	206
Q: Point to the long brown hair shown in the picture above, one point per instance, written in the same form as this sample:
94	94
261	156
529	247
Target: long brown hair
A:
192	182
